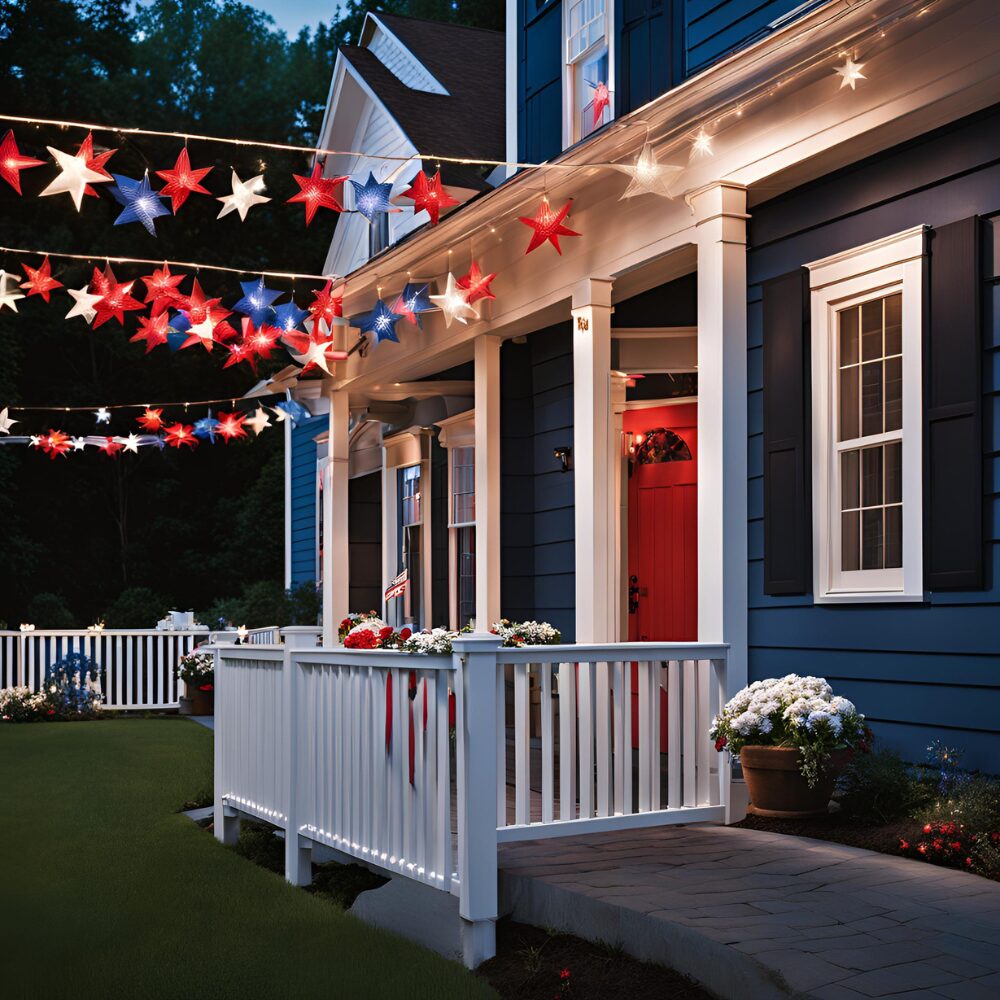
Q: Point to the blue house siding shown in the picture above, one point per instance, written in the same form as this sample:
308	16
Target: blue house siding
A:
303	499
918	671
539	79
536	502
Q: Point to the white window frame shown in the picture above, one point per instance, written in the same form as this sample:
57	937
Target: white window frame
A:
873	271
456	432
570	122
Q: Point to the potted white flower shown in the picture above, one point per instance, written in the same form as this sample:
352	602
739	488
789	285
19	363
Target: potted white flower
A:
793	737
197	670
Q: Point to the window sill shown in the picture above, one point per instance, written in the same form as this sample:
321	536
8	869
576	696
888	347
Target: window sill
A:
868	597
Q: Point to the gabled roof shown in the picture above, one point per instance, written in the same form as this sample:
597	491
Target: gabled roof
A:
468	121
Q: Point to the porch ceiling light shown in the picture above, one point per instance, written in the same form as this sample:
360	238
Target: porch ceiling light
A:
648	175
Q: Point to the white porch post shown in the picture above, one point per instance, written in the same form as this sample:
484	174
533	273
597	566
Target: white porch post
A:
336	561
720	214
594	480
487	479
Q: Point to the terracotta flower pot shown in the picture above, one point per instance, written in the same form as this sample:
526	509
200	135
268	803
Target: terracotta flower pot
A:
776	785
197	703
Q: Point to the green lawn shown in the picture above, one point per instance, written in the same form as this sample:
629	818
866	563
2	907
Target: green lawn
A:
105	891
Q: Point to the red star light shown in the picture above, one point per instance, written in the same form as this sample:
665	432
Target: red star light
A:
429	195
151	420
86	153
12	162
180	435
260	341
548	226
110	446
54	443
317	191
326	306
239	353
231	426
476	284
183	180
161	288
115	301
40	280
602	99
199	308
153	330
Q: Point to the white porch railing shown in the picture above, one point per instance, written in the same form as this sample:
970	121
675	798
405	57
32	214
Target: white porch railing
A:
352	749
270	635
137	666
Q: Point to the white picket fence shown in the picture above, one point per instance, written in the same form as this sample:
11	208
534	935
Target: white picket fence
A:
353	749
137	666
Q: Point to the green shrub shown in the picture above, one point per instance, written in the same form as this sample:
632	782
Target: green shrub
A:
50	611
305	604
880	787
136	607
972	800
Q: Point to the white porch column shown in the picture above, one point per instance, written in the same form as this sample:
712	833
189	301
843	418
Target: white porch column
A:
336	552
487	477
720	213
594	480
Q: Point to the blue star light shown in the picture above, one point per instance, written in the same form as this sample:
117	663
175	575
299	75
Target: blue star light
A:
381	321
288	316
414	300
295	410
142	203
177	334
205	428
371	198
256	301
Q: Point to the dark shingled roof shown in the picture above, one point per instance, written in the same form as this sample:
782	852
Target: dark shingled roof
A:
467	121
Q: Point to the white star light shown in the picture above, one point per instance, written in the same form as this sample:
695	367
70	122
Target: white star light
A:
130	443
259	420
204	331
83	303
6	422
850	73
78	443
279	414
74	177
8	296
702	145
648	175
34	440
453	304
103	415
244	196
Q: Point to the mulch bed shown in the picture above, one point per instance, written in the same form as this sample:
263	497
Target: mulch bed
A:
533	964
841	830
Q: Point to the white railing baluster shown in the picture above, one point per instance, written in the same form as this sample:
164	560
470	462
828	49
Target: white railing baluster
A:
690	732
674	799
645	751
522	745
500	730
622	738
567	741
701	723
602	734
548	749
585	740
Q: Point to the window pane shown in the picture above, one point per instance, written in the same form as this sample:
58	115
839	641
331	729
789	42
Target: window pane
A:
466	575
871	330
871	539
871	398
849	540
848	336
893	394
893	537
849	404
894	324
871	477
894	473
849	481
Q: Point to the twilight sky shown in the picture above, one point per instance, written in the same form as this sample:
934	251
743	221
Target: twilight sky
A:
293	14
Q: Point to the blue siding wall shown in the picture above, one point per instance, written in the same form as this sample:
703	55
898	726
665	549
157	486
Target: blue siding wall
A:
536	501
919	671
304	487
539	79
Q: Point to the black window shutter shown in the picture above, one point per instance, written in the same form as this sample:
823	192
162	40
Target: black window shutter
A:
953	446
787	493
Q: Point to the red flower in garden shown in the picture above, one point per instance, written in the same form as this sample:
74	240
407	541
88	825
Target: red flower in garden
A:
51	711
564	974
720	743
405	634
904	845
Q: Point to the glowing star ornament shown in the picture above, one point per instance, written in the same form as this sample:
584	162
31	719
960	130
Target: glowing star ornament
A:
260	341
55	443
313	350
131	443
78	443
601	100
6	422
381	321
110	446
317	191
547	226
161	288
372	198
203	333
206	427
180	436
12	162
259	421
288	316
476	285
40	280
326	306
102	415
74	176
94	162
142	203
850	73
412	301
429	196
116	299
151	420
182	181
648	175
153	330
231	426
257	301
293	410
84	303
702	145
197	307
245	195
453	303
8	293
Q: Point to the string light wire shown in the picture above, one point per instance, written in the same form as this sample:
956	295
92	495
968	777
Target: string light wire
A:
231	400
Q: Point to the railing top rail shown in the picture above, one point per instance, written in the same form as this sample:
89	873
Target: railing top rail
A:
614	652
384	659
264	652
83	632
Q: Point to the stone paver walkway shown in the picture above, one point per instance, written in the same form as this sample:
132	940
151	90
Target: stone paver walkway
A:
759	915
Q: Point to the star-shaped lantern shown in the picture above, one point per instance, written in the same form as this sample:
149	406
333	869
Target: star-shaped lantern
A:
142	203
850	73
453	303
381	321
55	443
245	195
288	316
198	308
206	427
12	162
153	330
476	285
102	415
257	301
84	303
312	350
182	181
547	226
161	288
110	446
230	425
648	176
180	435
317	191
94	162
75	176
40	280
151	420
326	306
131	443
259	421
261	340
239	353
78	443
429	195
372	198
601	100
701	145
115	300
291	409
412	301
6	422
8	292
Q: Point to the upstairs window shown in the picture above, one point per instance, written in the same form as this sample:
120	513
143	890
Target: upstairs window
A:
589	96
463	532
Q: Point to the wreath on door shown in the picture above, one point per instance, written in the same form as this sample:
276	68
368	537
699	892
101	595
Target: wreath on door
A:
662	445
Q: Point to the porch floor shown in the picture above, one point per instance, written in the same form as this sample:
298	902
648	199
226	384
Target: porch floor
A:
754	914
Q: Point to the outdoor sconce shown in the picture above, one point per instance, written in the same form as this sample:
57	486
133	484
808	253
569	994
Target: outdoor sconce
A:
563	455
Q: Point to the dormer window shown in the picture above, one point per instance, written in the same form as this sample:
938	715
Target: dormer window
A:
588	92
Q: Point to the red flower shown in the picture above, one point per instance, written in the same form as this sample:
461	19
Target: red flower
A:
904	845
405	634
720	743
922	848
968	861
204	687
564	974
51	711
956	845
384	633
927	828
